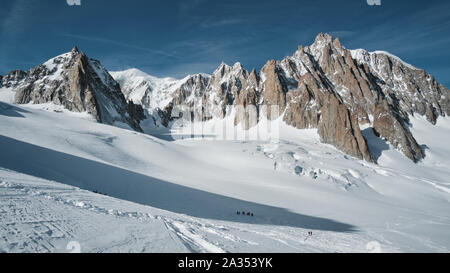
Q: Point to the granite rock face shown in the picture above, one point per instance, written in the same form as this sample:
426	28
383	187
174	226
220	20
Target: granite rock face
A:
78	83
340	128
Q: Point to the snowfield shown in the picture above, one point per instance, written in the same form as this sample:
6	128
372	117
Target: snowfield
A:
65	177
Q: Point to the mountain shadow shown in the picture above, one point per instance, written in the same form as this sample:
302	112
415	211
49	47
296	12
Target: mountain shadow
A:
124	184
376	144
11	110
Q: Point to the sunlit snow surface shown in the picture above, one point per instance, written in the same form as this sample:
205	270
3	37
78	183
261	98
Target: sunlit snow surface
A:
183	195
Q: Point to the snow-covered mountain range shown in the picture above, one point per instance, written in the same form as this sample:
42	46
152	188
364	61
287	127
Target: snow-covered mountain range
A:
323	86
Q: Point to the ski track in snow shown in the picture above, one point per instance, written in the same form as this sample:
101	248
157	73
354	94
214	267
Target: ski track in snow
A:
30	210
183	230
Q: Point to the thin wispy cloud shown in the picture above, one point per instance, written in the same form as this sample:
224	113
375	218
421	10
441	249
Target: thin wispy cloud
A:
184	69
342	33
211	49
120	44
7	65
434	14
386	37
206	46
14	21
213	22
10	61
186	7
11	26
424	30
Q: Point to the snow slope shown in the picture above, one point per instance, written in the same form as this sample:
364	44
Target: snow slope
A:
146	89
182	196
364	56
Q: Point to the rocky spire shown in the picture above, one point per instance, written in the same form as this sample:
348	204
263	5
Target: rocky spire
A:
323	38
75	50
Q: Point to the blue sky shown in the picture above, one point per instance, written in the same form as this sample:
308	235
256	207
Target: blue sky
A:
175	38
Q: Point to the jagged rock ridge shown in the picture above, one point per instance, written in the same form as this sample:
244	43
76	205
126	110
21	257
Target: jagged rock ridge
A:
323	86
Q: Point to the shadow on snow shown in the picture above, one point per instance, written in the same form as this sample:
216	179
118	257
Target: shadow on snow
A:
124	184
376	144
11	110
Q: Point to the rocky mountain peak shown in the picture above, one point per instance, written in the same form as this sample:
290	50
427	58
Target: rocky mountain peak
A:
75	50
237	66
222	69
323	38
225	70
78	83
324	44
